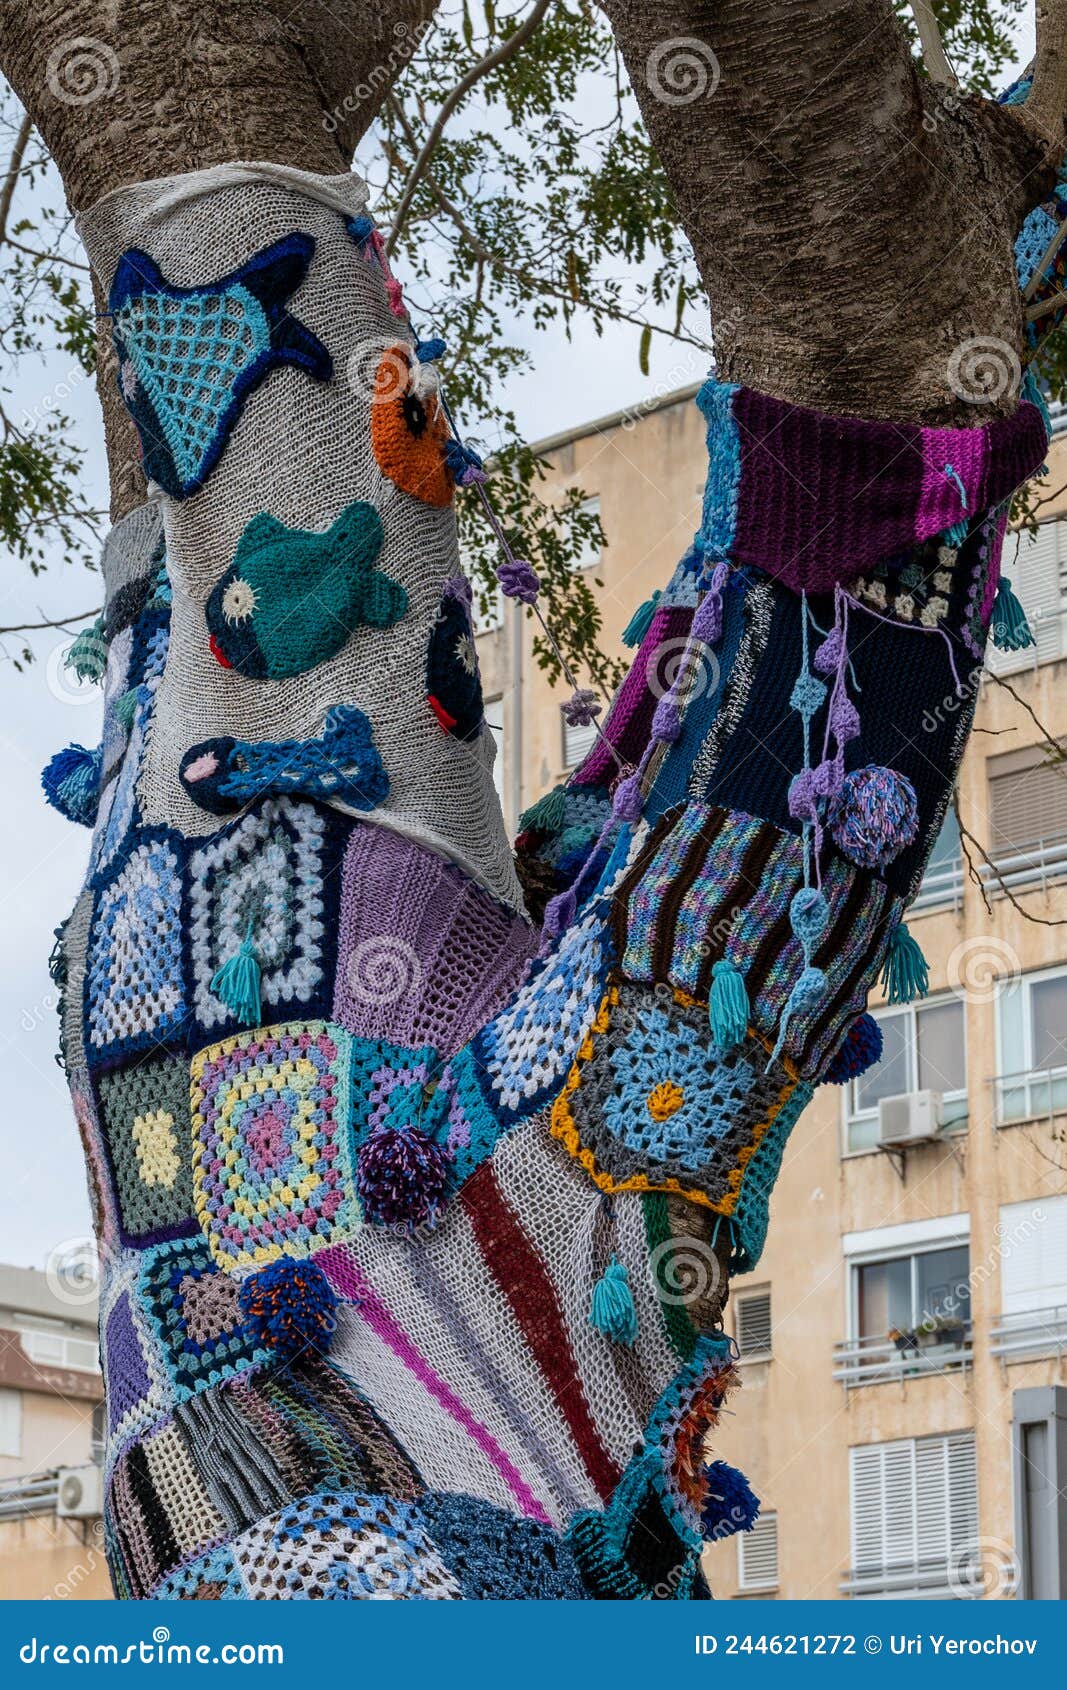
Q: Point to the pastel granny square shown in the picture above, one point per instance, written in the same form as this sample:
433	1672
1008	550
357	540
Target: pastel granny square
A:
135	995
193	1309
272	1161
144	1112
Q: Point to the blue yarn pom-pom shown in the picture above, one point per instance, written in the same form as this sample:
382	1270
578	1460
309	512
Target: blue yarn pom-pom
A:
860	1050
874	816
731	1504
289	1306
71	783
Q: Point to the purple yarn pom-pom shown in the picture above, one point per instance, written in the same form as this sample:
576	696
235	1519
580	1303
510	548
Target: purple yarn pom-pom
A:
860	1050
401	1176
875	816
518	580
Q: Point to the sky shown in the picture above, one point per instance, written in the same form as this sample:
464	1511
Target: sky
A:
43	1206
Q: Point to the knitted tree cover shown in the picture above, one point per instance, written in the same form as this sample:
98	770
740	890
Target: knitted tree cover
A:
394	1218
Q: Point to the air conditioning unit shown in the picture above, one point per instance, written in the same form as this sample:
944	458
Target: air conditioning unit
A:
914	1117
80	1493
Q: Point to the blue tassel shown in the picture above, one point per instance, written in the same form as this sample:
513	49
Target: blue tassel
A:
729	1008
905	975
125	708
640	622
87	657
1011	630
612	1310
237	983
71	783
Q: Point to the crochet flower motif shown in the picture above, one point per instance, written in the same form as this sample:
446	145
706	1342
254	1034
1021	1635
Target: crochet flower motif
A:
659	1100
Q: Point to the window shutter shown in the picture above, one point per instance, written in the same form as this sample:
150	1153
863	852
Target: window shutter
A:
913	1502
1035	576
11	1423
753	1320
757	1555
1033	1264
1027	802
577	743
962	1476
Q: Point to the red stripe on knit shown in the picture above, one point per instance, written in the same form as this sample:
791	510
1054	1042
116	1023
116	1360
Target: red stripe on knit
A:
524	1280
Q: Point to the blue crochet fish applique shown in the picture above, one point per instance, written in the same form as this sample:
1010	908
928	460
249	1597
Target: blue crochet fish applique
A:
222	775
189	357
291	598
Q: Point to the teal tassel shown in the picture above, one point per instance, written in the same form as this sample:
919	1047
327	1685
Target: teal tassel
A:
905	975
612	1310
237	983
728	1010
87	657
126	708
1011	630
549	814
956	535
640	622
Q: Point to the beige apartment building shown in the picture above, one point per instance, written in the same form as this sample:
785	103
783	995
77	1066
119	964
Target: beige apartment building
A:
904	1410
51	1439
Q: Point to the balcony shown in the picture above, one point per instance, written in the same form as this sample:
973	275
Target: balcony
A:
881	1361
1035	1332
942	887
1035	868
1032	1094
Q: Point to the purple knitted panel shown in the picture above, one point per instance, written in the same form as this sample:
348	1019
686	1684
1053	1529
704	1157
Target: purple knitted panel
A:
424	955
823	498
629	723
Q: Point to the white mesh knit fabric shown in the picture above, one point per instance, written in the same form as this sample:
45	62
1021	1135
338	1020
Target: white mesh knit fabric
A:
299	450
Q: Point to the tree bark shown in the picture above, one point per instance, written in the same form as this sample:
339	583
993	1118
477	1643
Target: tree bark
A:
853	223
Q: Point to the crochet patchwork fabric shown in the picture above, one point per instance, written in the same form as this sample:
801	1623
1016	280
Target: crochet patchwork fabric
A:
413	1221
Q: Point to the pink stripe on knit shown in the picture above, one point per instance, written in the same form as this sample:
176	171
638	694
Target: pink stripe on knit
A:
940	505
600	767
346	1278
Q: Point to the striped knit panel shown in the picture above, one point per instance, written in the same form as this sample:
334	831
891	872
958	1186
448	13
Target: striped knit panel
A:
560	1206
388	1266
451	1449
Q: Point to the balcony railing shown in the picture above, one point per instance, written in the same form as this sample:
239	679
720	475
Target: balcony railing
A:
1038	866
942	884
923	1578
1036	1332
877	1361
37	1493
1031	1094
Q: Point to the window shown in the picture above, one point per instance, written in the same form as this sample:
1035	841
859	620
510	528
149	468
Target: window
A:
1039	577
589	554
922	1298
98	1434
752	1319
11	1423
913	1511
1032	1046
1027	817
757	1555
942	882
1039	1451
1032	1245
577	743
923	1049
56	1349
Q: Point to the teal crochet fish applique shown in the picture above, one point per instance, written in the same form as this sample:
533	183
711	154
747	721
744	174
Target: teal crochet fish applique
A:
190	357
291	598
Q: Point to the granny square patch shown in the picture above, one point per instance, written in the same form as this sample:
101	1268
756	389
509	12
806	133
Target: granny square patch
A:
349	1547
135	996
272	1164
270	878
144	1111
135	1384
644	1109
194	1313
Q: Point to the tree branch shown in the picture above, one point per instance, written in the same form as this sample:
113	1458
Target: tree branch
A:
492	60
1046	107
967	838
934	57
56	622
7	194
